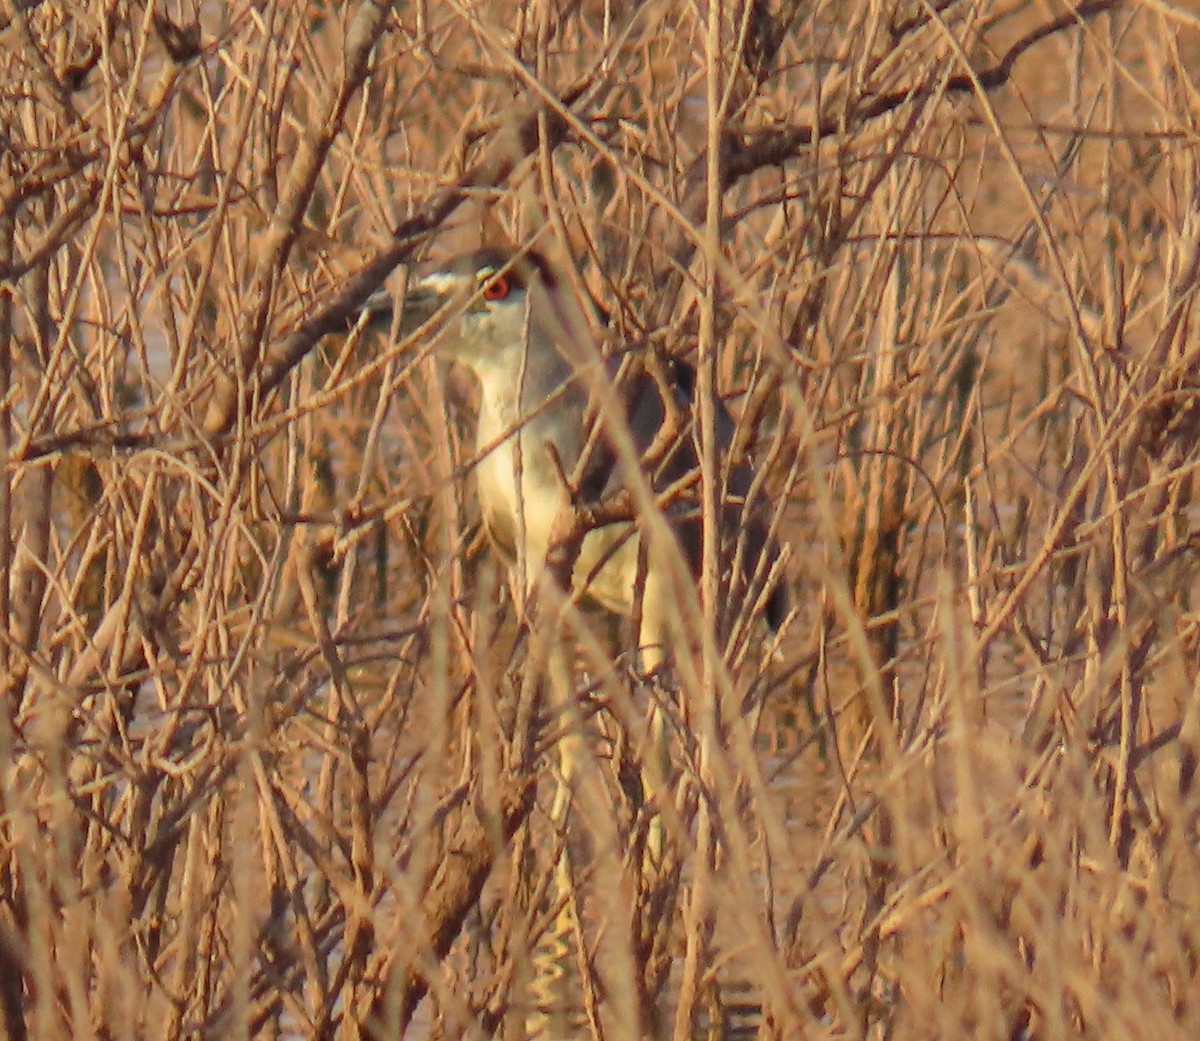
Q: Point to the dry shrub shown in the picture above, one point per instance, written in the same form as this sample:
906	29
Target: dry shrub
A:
281	751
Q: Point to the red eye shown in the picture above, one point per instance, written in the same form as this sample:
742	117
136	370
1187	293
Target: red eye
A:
497	289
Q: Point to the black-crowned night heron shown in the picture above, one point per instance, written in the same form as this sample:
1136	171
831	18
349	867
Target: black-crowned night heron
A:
561	429
549	433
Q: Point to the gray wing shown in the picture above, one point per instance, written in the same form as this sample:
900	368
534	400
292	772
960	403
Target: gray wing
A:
660	408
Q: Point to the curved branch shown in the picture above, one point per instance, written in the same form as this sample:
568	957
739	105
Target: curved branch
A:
772	147
513	143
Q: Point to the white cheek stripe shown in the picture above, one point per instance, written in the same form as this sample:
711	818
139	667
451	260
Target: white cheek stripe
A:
442	282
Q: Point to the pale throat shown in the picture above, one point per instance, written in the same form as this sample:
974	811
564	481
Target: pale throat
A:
514	440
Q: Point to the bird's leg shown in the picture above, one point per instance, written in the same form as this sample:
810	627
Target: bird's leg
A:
656	757
550	961
658	863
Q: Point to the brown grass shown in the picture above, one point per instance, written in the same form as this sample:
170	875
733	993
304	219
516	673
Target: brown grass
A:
278	754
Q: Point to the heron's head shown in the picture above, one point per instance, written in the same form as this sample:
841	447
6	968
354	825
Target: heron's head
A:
496	305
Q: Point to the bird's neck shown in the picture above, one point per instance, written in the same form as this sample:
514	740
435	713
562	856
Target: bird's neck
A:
545	381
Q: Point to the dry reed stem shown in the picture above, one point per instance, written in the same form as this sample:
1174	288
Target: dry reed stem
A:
278	757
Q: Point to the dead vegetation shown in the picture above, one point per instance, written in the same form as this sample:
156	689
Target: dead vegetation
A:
278	753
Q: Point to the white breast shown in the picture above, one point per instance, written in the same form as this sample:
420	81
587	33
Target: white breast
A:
537	507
